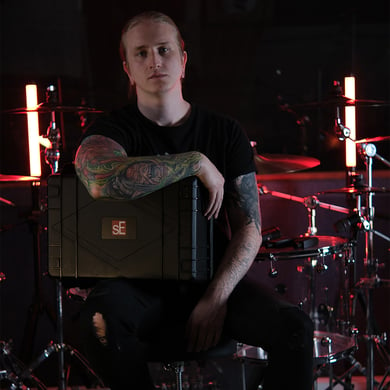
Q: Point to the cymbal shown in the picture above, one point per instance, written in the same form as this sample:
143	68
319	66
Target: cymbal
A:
45	108
15	178
374	139
355	190
283	163
342	101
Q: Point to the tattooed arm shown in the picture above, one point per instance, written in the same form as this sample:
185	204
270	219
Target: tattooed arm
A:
107	172
206	321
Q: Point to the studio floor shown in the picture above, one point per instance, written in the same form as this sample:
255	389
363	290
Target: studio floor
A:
359	382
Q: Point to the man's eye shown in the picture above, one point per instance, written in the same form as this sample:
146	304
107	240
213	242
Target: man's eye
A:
163	50
141	53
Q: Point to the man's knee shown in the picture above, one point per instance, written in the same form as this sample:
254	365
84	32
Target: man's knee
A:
299	328
100	328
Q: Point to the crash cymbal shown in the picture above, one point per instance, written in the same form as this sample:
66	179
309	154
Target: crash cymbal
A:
355	190
283	163
13	178
374	139
45	108
342	101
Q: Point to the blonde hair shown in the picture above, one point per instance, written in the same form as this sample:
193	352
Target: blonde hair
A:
154	16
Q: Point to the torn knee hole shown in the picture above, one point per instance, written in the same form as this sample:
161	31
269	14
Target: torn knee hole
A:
99	325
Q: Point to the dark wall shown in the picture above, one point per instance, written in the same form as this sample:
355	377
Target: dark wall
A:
246	58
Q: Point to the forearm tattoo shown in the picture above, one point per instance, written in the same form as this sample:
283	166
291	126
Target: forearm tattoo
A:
103	163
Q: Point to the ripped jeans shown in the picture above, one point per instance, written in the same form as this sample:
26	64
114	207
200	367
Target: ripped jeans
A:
124	321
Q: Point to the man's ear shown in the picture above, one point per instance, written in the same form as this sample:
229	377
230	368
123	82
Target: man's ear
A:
127	71
183	73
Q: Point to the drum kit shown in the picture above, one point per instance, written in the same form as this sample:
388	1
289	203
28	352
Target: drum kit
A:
336	336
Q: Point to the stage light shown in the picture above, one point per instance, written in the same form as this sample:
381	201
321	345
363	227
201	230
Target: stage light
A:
33	130
350	123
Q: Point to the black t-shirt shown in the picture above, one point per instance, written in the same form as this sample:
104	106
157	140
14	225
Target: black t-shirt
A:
219	137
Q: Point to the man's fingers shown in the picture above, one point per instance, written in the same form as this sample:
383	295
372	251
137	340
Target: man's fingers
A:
214	206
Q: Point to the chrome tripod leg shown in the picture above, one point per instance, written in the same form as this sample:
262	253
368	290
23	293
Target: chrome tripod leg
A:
12	371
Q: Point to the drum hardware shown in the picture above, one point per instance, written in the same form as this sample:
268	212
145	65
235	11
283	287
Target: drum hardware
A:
11	368
52	155
330	348
23	375
52	348
368	152
320	268
324	312
310	202
273	272
270	233
365	222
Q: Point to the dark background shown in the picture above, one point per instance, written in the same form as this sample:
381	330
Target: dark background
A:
254	60
246	58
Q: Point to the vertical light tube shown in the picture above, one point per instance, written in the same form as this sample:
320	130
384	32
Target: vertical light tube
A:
33	130
350	122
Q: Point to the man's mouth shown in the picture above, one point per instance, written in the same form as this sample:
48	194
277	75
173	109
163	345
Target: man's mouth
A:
157	76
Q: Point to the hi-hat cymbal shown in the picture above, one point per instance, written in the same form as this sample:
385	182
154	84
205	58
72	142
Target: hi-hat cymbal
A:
355	190
14	178
342	101
45	108
283	163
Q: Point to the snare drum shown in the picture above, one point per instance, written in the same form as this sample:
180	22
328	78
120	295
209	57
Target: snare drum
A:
327	245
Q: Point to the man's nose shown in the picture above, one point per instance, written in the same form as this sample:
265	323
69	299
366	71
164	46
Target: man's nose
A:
155	61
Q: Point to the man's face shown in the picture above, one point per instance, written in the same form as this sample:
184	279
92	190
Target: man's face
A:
154	61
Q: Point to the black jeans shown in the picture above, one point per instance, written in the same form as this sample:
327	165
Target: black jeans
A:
147	316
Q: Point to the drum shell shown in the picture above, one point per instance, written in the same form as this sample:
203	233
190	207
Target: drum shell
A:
316	279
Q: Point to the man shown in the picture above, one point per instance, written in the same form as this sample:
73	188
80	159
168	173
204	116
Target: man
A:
141	149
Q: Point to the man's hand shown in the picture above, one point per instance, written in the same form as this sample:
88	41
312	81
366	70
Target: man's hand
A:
214	182
204	327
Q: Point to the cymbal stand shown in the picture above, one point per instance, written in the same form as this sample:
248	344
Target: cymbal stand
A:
368	151
52	157
366	223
